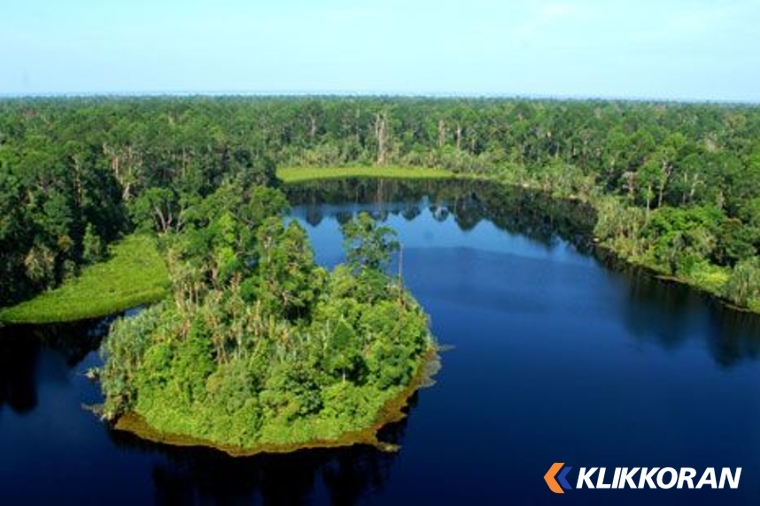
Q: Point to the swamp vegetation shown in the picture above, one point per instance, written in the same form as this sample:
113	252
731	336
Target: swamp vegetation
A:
259	346
676	186
254	344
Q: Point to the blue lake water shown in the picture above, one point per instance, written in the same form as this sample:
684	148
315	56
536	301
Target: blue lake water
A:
551	357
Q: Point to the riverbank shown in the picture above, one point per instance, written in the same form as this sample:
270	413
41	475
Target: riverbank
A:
392	411
133	275
706	278
303	174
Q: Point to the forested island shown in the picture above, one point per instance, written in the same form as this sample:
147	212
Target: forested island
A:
248	344
260	348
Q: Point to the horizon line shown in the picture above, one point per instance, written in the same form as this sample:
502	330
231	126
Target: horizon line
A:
369	94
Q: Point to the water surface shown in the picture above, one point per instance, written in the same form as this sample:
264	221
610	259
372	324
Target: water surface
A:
555	357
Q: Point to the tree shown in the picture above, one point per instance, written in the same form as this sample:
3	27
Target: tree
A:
680	238
743	285
289	280
160	209
367	245
92	245
650	177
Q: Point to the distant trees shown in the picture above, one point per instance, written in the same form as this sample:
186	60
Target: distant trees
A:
120	164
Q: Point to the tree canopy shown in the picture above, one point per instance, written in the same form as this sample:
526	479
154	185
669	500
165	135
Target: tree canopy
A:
260	345
78	173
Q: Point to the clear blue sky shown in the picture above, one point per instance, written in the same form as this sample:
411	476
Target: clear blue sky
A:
665	49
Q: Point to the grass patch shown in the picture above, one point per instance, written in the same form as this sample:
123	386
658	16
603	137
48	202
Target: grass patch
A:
301	174
709	277
134	274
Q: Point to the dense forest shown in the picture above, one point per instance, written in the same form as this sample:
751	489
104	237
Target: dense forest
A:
260	346
676	186
256	344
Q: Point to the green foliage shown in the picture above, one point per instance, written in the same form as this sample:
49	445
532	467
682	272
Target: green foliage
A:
367	245
150	164
92	245
262	346
134	274
159	209
289	280
743	286
126	349
680	238
697	244
301	174
291	392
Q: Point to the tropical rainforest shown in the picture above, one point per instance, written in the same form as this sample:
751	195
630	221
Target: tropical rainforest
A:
259	345
676	186
252	342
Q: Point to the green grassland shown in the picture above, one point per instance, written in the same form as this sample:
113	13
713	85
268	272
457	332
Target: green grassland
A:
301	174
134	274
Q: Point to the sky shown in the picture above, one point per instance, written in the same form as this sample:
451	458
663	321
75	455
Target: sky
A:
695	50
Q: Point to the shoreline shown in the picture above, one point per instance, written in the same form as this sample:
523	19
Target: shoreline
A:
711	294
300	175
391	412
351	172
133	275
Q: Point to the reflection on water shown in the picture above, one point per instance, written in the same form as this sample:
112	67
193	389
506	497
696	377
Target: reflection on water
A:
21	347
671	314
637	371
657	311
524	212
18	360
342	475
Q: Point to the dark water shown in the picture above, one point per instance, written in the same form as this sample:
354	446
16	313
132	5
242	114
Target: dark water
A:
555	358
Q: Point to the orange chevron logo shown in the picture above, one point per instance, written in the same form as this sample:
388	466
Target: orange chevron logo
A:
550	480
649	477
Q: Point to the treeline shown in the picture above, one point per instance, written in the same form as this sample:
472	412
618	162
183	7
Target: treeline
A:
75	175
685	177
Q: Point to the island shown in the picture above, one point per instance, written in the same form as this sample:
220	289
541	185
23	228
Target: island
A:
260	349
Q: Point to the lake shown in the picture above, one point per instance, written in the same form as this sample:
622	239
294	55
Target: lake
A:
552	354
